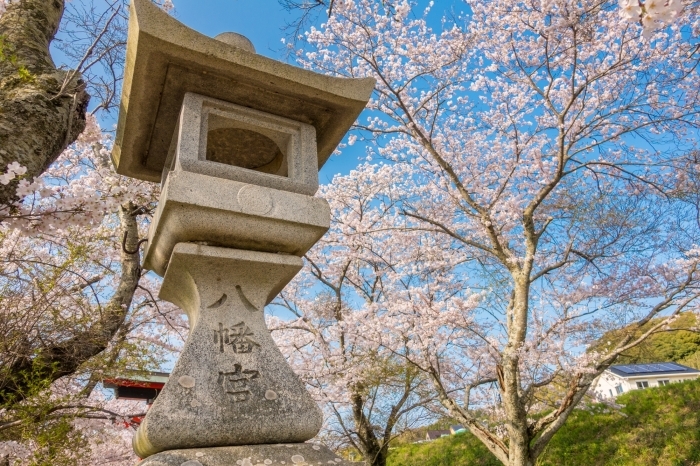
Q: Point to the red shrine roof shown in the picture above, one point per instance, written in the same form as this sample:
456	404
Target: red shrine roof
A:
137	385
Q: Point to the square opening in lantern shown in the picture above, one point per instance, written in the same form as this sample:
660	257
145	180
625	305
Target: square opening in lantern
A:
224	140
260	148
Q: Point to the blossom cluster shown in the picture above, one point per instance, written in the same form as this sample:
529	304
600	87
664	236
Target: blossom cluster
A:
167	5
79	190
4	4
652	14
13	171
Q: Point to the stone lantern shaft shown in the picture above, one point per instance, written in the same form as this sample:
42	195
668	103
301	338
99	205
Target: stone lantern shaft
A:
231	385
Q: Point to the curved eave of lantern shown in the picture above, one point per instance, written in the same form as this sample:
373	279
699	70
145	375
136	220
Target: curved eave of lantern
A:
165	59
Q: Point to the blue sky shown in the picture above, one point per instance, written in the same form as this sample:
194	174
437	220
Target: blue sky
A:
261	21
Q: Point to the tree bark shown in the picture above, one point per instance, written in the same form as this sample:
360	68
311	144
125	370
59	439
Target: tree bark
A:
51	362
514	403
42	109
374	452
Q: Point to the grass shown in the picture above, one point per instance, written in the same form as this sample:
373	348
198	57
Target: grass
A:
659	426
460	449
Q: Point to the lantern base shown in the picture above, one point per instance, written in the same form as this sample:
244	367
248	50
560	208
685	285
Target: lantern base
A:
289	454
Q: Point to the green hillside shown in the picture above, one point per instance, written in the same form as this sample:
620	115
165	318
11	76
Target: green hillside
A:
659	426
681	346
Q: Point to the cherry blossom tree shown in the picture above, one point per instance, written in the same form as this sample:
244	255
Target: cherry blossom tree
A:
76	305
370	394
533	153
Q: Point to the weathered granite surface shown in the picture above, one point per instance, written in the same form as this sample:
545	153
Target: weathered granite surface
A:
236	40
231	385
165	59
300	454
227	213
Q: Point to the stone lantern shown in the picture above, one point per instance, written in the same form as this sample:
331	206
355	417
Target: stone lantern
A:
236	139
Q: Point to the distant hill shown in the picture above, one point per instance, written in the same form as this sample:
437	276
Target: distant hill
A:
659	426
677	346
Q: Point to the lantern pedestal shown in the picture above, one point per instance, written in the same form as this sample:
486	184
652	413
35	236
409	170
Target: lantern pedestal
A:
231	385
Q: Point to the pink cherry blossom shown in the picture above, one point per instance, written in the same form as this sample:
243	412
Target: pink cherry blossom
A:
630	10
530	188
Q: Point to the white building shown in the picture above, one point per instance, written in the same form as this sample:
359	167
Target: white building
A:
620	379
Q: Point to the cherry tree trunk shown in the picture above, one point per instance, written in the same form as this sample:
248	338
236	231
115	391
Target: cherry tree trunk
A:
519	437
375	454
42	109
519	455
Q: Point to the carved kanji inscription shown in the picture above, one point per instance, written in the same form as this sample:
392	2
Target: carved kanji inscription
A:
236	384
238	337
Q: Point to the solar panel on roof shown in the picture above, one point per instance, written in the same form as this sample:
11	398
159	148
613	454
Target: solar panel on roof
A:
626	369
671	367
656	367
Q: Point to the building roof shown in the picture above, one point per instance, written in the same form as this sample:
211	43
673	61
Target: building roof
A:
457	428
138	379
436	434
137	385
653	369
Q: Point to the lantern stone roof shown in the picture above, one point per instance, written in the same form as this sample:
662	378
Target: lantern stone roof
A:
165	59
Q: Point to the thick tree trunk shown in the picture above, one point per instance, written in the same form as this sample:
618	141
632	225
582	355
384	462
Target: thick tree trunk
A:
375	454
518	435
519	453
53	361
42	109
